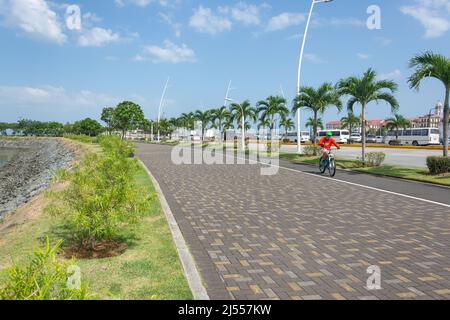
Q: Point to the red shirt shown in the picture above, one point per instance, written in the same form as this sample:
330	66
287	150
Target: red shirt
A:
327	144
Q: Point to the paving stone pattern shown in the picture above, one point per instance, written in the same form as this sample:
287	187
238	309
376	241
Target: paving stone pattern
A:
296	236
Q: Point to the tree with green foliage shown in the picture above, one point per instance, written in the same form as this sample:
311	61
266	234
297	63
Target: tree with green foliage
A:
188	120
396	122
433	65
102	196
243	111
364	90
220	115
108	118
271	108
127	116
288	124
350	121
43	276
205	118
314	123
88	127
318	101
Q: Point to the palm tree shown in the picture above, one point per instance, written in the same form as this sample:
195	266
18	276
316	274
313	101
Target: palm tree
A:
350	121
397	122
288	124
242	112
228	123
433	65
365	90
220	115
187	120
271	108
317	101
205	118
314	123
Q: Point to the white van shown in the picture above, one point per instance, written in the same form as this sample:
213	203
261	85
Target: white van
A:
293	137
341	136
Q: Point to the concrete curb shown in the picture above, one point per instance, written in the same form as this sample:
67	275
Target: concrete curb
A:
187	260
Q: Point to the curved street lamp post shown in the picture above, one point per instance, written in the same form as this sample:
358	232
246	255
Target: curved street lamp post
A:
299	129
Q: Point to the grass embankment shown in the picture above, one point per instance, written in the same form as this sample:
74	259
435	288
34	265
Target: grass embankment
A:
148	269
409	173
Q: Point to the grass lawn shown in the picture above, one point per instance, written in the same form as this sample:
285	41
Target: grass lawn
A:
149	269
410	173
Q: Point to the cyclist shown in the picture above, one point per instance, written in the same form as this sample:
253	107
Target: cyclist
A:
326	143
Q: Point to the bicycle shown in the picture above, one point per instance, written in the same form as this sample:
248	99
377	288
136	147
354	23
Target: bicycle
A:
329	163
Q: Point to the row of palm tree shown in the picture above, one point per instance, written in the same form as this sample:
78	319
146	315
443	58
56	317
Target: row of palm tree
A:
274	113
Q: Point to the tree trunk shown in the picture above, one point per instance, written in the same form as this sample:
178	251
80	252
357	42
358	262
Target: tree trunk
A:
314	128
446	119
363	138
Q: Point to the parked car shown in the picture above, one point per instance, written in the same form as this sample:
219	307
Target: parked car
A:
371	138
356	137
379	139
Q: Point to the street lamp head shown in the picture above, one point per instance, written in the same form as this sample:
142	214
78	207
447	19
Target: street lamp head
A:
322	1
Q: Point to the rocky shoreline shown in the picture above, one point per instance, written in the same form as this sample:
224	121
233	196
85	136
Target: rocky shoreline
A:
31	170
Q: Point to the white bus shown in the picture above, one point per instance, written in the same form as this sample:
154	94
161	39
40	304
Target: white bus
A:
293	137
341	136
415	137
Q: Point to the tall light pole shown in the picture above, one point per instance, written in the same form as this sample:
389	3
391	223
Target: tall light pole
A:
160	108
228	99
299	128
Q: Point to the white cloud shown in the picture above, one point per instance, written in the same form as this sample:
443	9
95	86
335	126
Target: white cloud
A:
206	21
145	3
285	20
247	14
97	37
168	52
175	25
363	56
434	15
394	75
34	17
50	95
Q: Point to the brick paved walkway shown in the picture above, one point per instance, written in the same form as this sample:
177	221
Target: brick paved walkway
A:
295	236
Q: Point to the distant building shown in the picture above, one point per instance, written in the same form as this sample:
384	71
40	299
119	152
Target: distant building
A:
432	120
372	125
334	125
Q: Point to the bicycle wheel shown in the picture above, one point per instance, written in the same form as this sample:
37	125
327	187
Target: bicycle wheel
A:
332	168
322	166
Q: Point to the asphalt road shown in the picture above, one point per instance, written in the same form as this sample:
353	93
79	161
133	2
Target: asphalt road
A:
297	235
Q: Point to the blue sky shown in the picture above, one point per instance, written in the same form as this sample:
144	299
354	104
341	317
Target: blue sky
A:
54	68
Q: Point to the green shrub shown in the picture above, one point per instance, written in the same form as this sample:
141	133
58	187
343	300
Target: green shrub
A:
43	277
312	150
375	159
101	196
438	165
81	138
